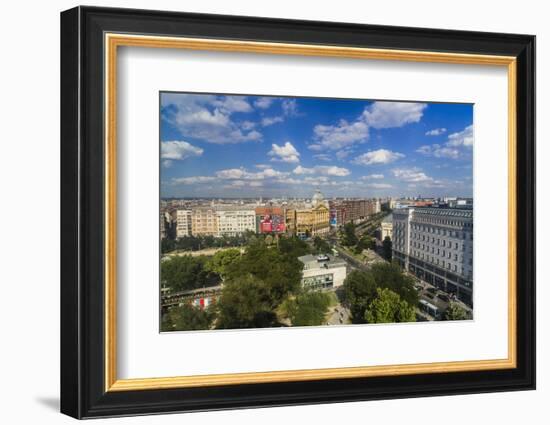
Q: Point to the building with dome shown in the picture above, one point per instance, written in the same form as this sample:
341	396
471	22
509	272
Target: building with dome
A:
311	219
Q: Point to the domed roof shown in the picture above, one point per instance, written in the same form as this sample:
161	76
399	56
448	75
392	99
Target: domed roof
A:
317	197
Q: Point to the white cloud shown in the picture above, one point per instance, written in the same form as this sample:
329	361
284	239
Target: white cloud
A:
393	114
177	150
232	104
411	175
458	144
242	174
290	108
462	138
193	180
436	131
248	125
267	121
343	154
335	137
439	151
332	170
373	177
284	153
380	156
322	157
209	118
303	170
263	102
326	170
379	185
262	166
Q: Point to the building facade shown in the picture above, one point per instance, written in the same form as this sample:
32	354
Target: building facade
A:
322	272
436	245
204	222
234	221
183	223
386	228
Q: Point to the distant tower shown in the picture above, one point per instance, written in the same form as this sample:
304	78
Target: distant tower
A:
317	198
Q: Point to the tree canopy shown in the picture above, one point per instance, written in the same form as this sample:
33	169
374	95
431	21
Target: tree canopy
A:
279	271
245	303
359	291
181	273
320	245
221	260
349	238
308	308
362	288
386	248
187	318
456	312
388	307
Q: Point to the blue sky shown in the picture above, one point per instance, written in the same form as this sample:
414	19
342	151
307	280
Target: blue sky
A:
249	146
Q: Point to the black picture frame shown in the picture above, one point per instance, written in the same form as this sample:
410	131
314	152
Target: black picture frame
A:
83	392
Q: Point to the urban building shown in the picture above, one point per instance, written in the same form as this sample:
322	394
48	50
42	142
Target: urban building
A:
322	272
309	219
436	245
204	222
386	227
232	221
345	211
183	223
270	219
163	225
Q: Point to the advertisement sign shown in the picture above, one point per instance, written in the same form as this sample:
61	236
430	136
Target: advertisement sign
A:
272	224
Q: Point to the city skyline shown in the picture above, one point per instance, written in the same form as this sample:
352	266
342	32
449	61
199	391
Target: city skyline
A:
231	146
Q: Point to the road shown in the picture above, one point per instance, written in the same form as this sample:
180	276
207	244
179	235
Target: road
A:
352	261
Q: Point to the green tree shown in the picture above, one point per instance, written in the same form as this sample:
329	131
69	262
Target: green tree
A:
386	248
167	245
245	303
222	259
187	318
181	273
293	246
279	271
390	276
349	238
321	245
456	312
308	309
388	307
359	291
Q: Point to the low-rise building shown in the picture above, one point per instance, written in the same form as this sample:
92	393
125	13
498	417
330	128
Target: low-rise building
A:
322	271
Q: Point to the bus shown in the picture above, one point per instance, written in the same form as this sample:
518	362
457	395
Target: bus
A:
430	309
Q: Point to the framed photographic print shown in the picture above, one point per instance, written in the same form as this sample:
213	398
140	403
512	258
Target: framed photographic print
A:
261	212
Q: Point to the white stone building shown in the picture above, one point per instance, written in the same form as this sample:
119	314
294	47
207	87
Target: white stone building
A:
323	271
436	245
234	221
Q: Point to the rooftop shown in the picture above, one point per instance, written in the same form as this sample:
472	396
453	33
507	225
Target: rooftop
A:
315	261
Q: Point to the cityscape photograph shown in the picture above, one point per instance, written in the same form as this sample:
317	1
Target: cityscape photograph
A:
300	211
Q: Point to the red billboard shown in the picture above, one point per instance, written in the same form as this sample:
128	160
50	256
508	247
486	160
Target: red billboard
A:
272	224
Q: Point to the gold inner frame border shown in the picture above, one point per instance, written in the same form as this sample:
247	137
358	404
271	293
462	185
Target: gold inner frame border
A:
113	40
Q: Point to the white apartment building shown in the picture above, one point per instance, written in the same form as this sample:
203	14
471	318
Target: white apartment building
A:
234	221
436	245
183	223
